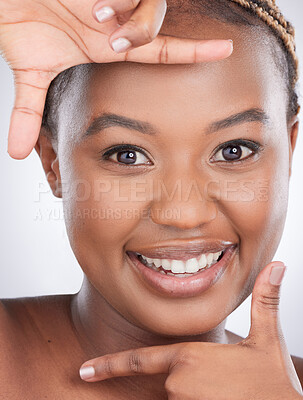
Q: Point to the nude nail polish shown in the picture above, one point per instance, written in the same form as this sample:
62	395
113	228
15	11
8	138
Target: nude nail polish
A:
87	372
104	14
121	44
277	274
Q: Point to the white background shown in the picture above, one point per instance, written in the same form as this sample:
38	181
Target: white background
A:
36	258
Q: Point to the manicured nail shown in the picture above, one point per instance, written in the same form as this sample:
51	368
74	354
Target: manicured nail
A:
87	372
277	274
104	14
121	44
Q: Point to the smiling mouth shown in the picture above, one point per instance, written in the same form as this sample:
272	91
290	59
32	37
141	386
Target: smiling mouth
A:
182	268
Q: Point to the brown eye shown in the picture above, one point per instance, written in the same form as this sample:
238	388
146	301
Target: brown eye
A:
232	152
127	156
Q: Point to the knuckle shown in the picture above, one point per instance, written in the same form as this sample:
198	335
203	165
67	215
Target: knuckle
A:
187	354
42	75
28	111
108	366
171	385
135	363
147	33
17	82
175	388
163	53
132	24
270	302
143	30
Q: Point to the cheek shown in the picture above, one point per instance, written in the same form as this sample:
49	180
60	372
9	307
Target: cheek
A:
102	214
257	212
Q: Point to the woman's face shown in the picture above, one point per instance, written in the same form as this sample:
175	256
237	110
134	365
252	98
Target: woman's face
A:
209	161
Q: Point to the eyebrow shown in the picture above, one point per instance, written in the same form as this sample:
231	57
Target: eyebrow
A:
251	115
108	120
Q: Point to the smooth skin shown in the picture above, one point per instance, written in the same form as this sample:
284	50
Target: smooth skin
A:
40	39
115	310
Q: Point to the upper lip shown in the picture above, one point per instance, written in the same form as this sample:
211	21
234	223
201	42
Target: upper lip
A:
183	250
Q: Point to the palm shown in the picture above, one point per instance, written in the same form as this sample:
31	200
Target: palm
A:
42	38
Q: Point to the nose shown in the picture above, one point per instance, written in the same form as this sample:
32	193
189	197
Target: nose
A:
182	202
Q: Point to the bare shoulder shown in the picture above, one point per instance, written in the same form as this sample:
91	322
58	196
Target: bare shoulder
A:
40	351
25	314
298	364
31	332
11	304
297	361
14	306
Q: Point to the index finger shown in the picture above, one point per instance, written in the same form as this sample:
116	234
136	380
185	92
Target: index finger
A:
173	50
142	361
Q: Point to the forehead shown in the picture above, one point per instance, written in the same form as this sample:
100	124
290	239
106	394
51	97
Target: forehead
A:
248	78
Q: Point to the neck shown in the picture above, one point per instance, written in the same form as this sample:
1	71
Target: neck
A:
103	330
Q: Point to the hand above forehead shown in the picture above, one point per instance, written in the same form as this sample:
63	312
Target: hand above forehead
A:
40	39
258	367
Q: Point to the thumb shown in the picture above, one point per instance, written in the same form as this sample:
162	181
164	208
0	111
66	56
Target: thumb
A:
25	123
265	303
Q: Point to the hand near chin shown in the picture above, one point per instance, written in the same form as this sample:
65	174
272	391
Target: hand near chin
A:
41	38
259	367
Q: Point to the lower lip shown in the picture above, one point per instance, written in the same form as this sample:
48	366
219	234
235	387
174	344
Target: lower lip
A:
188	286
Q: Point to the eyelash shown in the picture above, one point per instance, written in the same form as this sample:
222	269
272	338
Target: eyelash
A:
123	147
255	147
252	145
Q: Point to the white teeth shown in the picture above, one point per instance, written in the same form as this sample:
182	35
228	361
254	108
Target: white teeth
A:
202	261
192	265
157	262
209	258
166	265
180	267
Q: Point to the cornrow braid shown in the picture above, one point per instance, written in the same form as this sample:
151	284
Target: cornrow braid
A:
268	11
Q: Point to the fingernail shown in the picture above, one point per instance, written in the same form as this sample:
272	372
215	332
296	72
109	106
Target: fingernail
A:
104	14
87	372
277	274
121	44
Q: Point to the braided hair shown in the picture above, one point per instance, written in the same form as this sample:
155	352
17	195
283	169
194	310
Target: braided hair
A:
268	11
